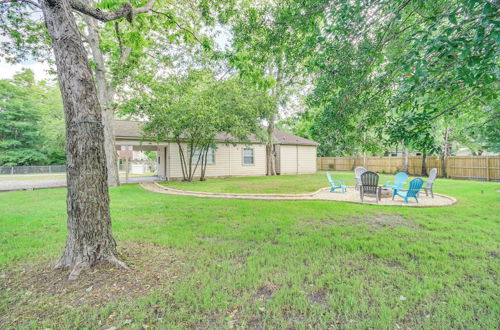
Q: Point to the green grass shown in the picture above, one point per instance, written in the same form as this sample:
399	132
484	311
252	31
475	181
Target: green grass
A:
289	184
278	264
286	184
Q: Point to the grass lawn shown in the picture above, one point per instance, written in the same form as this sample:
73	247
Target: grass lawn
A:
215	263
289	184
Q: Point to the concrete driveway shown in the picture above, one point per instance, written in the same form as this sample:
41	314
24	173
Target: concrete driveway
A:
40	181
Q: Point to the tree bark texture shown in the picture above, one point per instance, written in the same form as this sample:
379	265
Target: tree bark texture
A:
424	164
446	151
106	95
354	161
270	154
89	224
405	160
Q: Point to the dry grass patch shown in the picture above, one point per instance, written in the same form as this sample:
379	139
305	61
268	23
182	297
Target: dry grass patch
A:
318	297
266	291
382	221
372	222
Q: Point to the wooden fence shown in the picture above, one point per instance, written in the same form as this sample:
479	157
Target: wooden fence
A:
484	168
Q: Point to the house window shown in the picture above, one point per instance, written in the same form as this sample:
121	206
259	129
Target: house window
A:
248	158
210	156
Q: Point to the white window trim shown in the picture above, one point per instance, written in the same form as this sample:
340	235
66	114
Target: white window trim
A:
243	156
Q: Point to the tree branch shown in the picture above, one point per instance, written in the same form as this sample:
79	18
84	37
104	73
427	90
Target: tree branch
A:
33	3
118	37
105	16
177	23
453	107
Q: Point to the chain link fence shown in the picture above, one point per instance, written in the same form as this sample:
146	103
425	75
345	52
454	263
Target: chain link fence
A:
6	170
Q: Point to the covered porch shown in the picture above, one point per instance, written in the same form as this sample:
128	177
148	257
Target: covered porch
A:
127	150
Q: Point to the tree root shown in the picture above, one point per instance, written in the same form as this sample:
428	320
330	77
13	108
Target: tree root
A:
59	264
113	260
75	273
80	266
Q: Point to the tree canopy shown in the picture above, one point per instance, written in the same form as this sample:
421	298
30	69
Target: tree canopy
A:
394	72
31	122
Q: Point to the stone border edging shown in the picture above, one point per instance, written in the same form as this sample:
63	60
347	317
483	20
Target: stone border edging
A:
236	194
157	188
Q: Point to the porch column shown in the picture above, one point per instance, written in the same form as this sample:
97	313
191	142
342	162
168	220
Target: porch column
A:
161	162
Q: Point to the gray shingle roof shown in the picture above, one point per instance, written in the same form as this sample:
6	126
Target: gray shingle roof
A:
128	129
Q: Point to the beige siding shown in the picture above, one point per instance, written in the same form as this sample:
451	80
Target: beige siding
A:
297	159
237	167
288	159
307	159
228	161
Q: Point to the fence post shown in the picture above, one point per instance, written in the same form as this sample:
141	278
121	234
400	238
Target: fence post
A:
12	170
487	168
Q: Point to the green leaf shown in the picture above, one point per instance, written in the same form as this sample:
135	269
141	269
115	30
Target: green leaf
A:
452	18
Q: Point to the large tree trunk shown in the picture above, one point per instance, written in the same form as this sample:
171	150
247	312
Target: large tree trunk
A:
270	154
89	238
106	95
354	161
405	160
446	151
204	159
424	164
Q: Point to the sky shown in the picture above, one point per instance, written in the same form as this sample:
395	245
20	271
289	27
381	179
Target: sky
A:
7	70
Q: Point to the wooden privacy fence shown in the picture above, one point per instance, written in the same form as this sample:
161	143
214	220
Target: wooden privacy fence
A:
486	168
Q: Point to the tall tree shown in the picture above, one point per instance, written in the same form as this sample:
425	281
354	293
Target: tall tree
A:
89	224
268	48
105	92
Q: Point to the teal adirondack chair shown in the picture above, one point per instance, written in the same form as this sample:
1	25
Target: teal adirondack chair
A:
336	184
398	183
412	191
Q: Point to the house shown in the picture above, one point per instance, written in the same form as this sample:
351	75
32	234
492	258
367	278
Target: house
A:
295	155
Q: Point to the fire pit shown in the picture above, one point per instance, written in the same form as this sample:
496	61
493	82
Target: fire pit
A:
385	192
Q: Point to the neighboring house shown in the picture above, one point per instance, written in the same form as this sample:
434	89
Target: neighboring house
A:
295	155
137	161
128	152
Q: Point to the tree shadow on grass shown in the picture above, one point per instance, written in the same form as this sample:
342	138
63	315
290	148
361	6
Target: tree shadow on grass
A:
38	292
